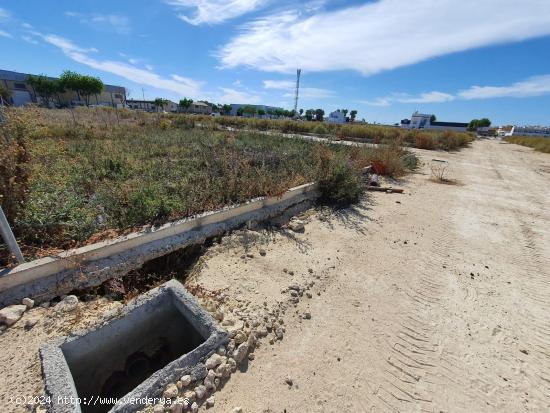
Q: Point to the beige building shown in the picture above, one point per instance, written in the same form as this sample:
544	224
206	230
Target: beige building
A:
21	93
200	108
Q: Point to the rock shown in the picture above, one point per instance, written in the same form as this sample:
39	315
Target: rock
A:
291	273
289	381
310	270
210	306
261	331
185	380
294	293
228	322
209	380
3	327
190	395
210	402
28	303
69	303
31	321
240	353
232	330
237	410
294	287
240	337
307	316
263	252
308	295
251	356
159	408
45	304
178	406
194	407
296	226
11	314
213	361
218	315
279	333
250	255
221	351
200	391
171	391
232	364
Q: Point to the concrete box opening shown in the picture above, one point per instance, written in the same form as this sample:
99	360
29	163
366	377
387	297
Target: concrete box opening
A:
158	337
111	365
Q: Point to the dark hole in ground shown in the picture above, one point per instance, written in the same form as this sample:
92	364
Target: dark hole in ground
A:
113	360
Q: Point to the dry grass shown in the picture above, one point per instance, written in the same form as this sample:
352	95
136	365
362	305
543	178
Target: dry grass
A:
538	144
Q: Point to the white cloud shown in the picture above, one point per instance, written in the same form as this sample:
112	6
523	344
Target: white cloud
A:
382	35
111	22
4	14
305	92
178	84
380	102
5	34
534	86
429	97
214	11
29	39
230	95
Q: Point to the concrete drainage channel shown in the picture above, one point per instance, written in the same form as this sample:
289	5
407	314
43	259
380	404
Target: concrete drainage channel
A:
158	337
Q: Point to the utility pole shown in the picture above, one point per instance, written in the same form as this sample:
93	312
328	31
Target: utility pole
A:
9	239
298	73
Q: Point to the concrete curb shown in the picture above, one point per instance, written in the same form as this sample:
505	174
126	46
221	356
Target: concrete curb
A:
91	265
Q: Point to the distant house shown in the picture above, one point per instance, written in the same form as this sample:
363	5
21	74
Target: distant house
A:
337	117
540	131
424	121
200	108
149	105
22	93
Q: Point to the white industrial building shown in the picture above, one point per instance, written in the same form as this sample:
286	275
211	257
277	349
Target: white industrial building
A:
424	121
337	117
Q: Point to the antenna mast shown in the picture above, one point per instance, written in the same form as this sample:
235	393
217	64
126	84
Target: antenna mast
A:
298	73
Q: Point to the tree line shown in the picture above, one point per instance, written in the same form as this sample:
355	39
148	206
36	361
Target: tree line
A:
50	89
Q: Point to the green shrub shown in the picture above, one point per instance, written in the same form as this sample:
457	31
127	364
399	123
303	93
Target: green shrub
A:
320	130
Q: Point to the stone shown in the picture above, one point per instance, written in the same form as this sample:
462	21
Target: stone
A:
31	321
310	270
179	385
289	381
69	303
45	304
250	255
240	337
263	252
221	351
232	364
185	380
261	331
194	407
307	316
178	406
240	353
294	293
237	410
209	380
11	314
279	333
171	391
210	401
251	356
296	226
218	315
200	391
232	330
159	408
29	303
190	395
213	361
308	295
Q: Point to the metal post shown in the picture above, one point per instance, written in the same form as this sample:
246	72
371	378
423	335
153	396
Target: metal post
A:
8	237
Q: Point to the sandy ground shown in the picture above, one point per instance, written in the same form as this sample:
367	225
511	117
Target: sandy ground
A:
434	300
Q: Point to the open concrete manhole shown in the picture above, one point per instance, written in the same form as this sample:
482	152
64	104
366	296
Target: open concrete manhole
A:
157	338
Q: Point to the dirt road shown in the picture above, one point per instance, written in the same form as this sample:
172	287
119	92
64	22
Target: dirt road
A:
434	300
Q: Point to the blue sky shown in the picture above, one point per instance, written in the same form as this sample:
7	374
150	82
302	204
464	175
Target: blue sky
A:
459	59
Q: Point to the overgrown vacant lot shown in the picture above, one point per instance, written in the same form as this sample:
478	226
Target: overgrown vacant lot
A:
538	144
65	183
